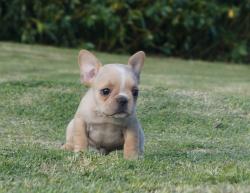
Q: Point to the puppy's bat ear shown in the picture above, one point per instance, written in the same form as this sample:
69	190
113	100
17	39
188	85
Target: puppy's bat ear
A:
136	62
89	67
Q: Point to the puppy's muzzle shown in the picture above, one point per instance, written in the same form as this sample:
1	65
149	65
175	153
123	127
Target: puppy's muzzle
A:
122	101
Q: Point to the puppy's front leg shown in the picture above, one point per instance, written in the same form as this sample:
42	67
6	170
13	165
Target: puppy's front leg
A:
131	143
80	137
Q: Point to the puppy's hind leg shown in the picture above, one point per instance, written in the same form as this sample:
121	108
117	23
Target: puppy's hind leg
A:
69	145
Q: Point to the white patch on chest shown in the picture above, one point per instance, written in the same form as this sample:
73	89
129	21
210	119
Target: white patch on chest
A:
105	135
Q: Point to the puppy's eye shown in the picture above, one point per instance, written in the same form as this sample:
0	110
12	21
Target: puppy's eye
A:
135	92
105	91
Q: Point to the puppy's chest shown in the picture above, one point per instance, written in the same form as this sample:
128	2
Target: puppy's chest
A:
105	135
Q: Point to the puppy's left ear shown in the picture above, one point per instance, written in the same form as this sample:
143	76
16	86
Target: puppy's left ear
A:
136	62
89	67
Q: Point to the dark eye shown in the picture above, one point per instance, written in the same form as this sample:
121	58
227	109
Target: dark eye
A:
135	92
105	91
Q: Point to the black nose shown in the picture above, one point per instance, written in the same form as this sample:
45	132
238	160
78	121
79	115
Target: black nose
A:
122	100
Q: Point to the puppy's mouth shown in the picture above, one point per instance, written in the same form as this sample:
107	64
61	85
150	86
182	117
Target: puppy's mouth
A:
120	115
117	115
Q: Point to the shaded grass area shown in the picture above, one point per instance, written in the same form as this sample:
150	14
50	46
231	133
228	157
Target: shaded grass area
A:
196	117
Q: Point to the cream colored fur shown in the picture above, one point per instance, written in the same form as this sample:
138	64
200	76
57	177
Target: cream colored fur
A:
101	122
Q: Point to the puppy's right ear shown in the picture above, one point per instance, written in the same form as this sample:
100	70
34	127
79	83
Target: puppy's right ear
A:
136	62
89	67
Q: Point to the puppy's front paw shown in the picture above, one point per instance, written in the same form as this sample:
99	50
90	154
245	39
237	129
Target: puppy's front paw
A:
67	146
78	148
131	155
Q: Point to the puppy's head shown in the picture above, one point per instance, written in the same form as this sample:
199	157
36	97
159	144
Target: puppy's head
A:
114	86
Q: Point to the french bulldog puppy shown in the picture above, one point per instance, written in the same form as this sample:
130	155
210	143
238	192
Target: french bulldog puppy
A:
106	117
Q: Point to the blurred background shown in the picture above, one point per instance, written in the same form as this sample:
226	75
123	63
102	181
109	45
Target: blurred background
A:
197	29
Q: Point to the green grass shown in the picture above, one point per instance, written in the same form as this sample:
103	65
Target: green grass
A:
196	118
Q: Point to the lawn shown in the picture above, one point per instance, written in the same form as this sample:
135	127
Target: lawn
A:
196	118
